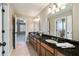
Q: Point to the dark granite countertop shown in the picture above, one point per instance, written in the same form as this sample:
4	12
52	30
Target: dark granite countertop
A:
65	51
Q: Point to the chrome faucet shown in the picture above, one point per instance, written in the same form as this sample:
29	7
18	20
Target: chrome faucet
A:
40	34
57	39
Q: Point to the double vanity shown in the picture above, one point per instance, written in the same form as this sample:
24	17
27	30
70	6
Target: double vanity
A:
47	45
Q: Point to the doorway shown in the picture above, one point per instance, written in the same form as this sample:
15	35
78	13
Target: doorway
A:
19	32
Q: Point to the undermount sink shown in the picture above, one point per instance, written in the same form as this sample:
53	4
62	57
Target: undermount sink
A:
50	41
62	45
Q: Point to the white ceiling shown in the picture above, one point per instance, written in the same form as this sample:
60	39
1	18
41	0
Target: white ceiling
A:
28	9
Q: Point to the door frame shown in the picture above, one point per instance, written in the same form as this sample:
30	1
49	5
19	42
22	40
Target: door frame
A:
13	23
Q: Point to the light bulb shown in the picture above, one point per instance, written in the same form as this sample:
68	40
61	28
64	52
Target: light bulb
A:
63	7
53	12
49	10
57	10
54	7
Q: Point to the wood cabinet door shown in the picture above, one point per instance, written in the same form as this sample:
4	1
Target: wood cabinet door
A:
34	46
42	51
34	43
38	48
57	53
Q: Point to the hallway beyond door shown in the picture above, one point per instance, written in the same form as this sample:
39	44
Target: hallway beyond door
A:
21	37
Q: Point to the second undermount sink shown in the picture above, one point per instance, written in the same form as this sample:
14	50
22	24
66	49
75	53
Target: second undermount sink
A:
65	45
62	45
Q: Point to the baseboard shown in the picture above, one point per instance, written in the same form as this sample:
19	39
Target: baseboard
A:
10	51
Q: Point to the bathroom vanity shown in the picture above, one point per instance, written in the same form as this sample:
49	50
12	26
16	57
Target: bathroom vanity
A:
44	48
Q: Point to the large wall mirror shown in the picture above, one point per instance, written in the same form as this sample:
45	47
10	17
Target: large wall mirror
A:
61	22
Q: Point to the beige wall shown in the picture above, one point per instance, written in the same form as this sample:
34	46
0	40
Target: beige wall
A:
52	25
11	13
44	24
30	24
76	22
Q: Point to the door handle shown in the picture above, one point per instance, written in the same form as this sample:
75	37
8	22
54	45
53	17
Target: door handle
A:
3	52
2	44
3	31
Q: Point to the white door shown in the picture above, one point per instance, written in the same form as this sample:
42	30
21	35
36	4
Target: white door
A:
0	29
69	27
5	27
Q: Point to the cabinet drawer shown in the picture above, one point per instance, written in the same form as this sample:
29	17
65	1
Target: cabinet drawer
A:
38	48
34	46
42	51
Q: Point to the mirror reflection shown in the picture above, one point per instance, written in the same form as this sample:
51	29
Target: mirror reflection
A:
61	22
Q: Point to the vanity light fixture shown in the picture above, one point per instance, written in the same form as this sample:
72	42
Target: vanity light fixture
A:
56	7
